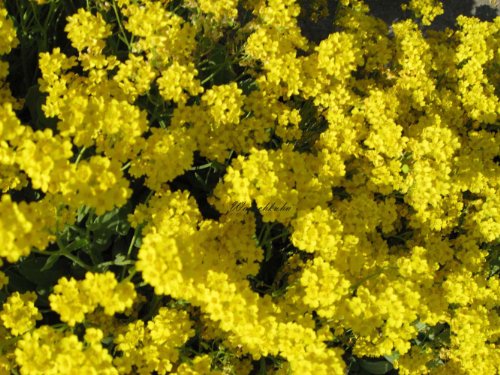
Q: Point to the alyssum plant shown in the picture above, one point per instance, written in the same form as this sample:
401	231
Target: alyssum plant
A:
131	129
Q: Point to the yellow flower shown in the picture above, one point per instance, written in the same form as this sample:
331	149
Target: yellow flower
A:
428	10
177	81
98	183
8	38
135	76
48	351
74	299
68	302
317	231
165	155
19	313
224	103
18	231
78	28
220	9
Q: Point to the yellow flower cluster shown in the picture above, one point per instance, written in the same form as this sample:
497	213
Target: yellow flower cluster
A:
176	79
77	29
153	347
274	42
134	77
8	33
200	365
73	299
221	10
97	183
162	35
477	51
427	10
49	351
317	231
165	155
222	293
222	110
25	225
19	313
10	129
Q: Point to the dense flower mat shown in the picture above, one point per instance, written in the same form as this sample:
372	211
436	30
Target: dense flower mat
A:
194	187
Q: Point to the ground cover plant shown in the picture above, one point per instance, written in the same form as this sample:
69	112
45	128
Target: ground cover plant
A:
196	187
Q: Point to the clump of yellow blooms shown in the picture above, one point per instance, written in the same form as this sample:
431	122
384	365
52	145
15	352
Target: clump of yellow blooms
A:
98	183
135	76
8	32
165	155
77	30
306	202
427	10
220	9
46	350
19	313
153	347
162	35
477	50
176	79
25	225
73	299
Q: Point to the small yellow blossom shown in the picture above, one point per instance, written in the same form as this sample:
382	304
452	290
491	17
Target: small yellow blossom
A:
19	313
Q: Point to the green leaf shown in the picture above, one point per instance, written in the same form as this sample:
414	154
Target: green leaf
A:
376	367
31	269
392	357
138	241
268	252
102	240
51	260
114	221
82	212
420	326
76	245
120	259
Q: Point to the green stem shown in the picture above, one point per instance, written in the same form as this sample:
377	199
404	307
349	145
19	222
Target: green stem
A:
35	14
129	250
78	261
46	253
6	343
65	253
113	263
229	158
137	230
131	274
264	233
204	166
96	260
154	307
213	74
126	165
80	154
284	234
120	25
